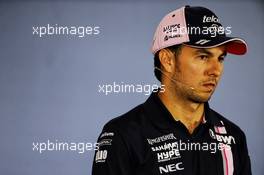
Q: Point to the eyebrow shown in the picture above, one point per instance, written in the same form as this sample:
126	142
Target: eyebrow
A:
206	51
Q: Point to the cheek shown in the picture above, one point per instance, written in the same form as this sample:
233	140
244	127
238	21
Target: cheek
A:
222	70
193	71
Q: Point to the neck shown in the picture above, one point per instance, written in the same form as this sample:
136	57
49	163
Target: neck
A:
188	112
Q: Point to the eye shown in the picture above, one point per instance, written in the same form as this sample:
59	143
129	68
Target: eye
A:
221	59
203	57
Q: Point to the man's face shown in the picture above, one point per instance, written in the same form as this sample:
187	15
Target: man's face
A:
199	70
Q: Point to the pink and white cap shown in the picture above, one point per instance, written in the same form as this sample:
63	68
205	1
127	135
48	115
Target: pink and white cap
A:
174	29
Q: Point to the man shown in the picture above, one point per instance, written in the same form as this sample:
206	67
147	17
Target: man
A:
175	131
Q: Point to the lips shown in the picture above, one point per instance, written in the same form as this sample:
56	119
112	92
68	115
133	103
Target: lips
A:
209	85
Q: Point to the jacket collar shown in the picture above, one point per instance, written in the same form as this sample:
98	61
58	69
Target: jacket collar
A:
160	116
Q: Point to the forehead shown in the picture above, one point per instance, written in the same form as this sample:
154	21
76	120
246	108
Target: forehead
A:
214	51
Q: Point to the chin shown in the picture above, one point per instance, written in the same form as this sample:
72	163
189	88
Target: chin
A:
200	98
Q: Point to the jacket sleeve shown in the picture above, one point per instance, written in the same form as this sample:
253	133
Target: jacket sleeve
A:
245	168
112	156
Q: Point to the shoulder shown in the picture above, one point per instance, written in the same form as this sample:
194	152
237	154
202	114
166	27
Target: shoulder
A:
126	130
130	121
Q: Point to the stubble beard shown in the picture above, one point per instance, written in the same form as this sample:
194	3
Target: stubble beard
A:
186	91
190	94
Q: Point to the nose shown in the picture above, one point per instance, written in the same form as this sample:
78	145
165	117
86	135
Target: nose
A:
215	68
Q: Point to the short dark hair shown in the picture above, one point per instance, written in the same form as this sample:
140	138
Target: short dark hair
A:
176	49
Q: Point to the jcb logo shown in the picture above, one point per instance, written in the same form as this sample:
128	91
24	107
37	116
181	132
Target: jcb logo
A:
100	156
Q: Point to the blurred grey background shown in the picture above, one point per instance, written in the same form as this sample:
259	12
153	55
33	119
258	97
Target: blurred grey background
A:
49	85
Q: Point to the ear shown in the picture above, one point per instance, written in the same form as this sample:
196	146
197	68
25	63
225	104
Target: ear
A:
166	58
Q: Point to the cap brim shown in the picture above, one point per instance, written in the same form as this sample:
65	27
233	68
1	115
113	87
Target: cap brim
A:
235	46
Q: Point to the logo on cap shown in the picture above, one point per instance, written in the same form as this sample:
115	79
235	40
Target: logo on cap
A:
202	41
210	19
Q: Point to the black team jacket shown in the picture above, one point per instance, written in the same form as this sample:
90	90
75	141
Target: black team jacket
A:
148	141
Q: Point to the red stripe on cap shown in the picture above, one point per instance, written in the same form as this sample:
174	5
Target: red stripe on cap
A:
237	48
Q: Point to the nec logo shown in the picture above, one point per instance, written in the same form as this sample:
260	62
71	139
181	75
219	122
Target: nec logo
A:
171	168
210	19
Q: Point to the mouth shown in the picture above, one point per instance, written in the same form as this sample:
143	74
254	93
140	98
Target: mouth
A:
209	86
